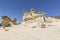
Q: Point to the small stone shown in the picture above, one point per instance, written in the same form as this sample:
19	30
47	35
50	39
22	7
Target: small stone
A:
6	29
34	27
43	25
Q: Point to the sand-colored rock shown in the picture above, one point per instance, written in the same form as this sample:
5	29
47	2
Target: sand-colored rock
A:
6	20
32	15
14	21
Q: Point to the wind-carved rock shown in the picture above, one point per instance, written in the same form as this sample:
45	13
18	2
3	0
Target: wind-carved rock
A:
32	15
25	16
14	21
6	21
29	15
41	14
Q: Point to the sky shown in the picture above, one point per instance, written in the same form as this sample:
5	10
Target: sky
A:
15	8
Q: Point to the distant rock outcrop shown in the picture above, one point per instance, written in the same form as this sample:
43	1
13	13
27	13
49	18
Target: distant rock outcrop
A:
32	15
58	16
6	21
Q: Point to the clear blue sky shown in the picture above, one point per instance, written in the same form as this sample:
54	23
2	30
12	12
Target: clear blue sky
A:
14	8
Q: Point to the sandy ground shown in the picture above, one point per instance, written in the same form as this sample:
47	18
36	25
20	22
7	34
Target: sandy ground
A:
27	32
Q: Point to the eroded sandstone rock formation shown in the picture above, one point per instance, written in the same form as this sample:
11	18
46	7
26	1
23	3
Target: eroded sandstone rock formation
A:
32	15
6	21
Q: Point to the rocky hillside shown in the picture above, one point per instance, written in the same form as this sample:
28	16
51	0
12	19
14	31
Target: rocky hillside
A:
58	16
33	30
